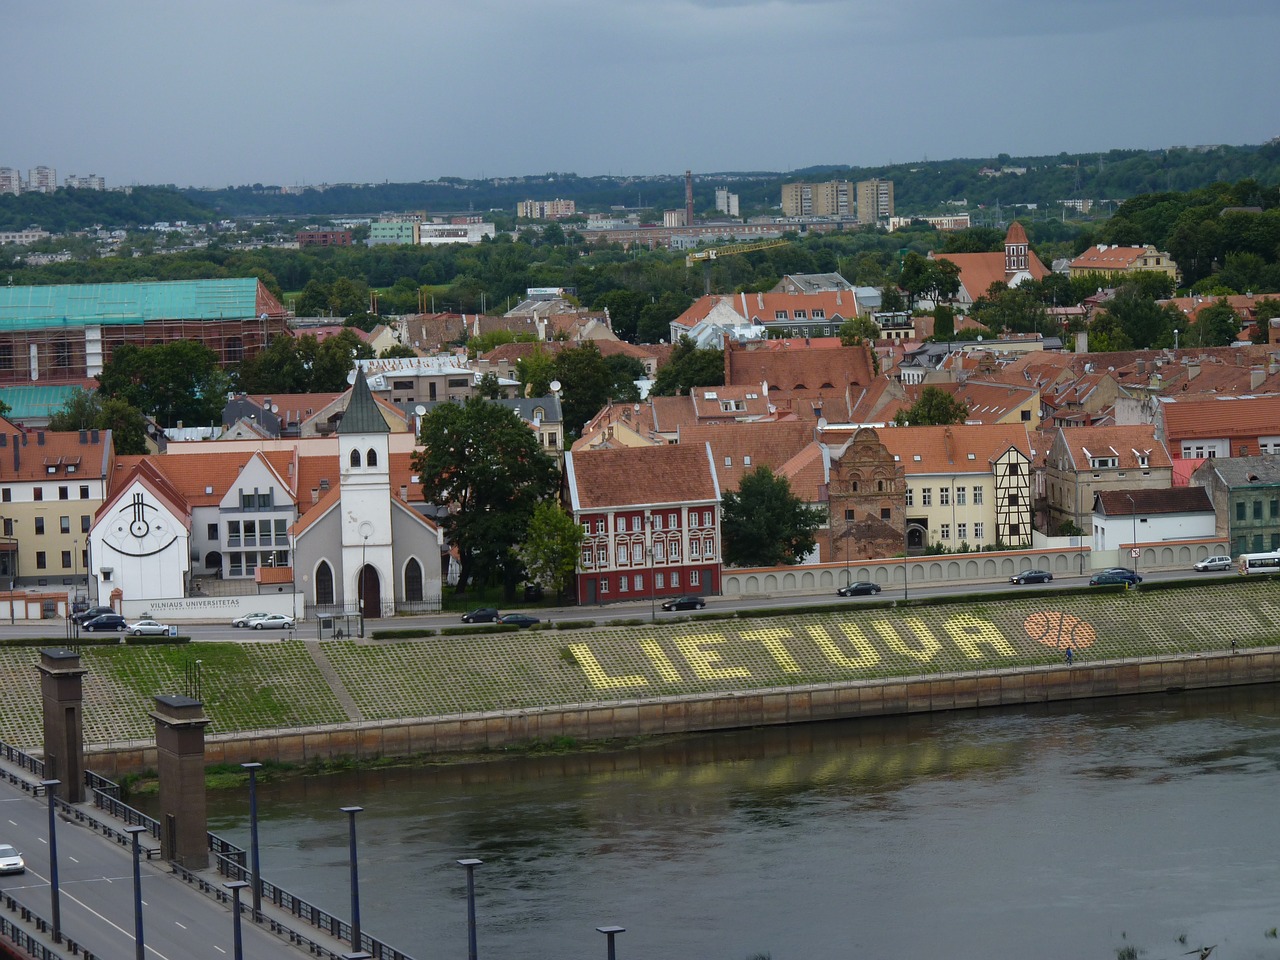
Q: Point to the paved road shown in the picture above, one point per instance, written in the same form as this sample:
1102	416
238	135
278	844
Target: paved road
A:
97	900
223	631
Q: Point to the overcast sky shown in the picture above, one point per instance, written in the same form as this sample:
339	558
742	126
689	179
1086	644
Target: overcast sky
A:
311	91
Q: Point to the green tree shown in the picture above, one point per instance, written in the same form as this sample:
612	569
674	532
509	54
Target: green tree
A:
944	323
655	318
1265	310
625	371
689	367
1216	325
483	463
396	351
80	412
536	370
549	551
1011	308
334	359
764	524
173	382
1144	322
858	330
892	300
85	410
925	279
586	385
934	407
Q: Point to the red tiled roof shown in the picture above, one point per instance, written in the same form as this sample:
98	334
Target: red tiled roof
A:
1127	503
1125	443
673	473
739	448
1231	417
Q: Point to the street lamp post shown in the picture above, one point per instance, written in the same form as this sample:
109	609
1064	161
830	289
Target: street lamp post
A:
364	548
471	865
139	948
906	570
255	866
1134	513
355	875
1175	338
55	907
611	933
653	579
235	886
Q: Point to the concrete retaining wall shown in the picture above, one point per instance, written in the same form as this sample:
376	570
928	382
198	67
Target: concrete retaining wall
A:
699	713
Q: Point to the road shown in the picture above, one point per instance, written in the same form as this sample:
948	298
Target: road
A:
97	901
223	631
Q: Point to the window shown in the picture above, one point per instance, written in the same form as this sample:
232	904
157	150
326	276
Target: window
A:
693	518
673	519
1275	508
586	557
978	532
657	521
693	578
1257	510
706	518
659	551
1014	532
264	501
619	524
212	532
236	569
6	495
602	555
324	584
64	493
946	531
85	520
675	550
1015	469
40	561
707	551
962	531
233	533
1275	541
886	513
659	582
977	496
371	458
250	533
675	578
622	584
779	314
944	496
799	315
622	555
637	553
695	548
604	584
37	494
355	458
1257	541
818	314
64	524
1239	511
413	581
66	559
909	499
600	525
39	526
282	535
639	582
635	524
926	497
1013	499
1026	416
960	496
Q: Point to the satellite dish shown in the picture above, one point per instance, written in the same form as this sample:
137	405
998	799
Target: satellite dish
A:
555	386
420	410
275	408
822	423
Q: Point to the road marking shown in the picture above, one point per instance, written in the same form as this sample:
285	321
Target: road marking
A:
90	909
73	859
43	840
178	924
218	948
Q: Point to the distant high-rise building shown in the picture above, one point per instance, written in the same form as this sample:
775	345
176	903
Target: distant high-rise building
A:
726	202
10	181
875	200
545	209
42	180
91	182
835	198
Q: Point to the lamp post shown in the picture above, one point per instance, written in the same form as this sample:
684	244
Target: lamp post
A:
1175	338
55	907
364	548
235	886
471	865
653	580
1134	513
906	570
255	866
140	950
611	933
355	875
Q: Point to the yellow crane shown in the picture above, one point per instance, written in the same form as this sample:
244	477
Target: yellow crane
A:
715	253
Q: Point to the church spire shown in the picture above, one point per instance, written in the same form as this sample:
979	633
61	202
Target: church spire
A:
362	414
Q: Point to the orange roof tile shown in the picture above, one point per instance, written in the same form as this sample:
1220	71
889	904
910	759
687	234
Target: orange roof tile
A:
739	448
674	473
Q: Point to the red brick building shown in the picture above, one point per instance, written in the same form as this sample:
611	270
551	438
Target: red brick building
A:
324	238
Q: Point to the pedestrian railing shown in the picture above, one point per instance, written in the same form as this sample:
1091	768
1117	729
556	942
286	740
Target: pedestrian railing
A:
25	941
23	760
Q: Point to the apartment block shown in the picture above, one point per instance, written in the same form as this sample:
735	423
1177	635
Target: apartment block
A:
835	198
875	200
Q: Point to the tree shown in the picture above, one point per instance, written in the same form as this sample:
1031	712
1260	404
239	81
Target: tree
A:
655	319
859	330
334	359
585	385
935	407
892	300
483	462
397	351
549	551
173	382
80	412
1216	325
689	367
1011	308
536	370
1143	321
925	279
89	411
625	371
764	524
1264	311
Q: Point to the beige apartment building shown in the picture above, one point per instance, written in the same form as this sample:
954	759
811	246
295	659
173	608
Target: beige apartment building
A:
875	200
835	198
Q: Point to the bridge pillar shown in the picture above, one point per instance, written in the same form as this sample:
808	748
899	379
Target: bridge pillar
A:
62	693
184	822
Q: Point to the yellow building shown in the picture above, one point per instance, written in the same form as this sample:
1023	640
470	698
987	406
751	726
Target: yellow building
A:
1115	260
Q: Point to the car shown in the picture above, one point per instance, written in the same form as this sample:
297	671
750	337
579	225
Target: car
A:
272	621
1214	563
518	619
150	628
1032	576
684	603
1114	575
481	615
107	621
11	860
247	619
859	588
84	616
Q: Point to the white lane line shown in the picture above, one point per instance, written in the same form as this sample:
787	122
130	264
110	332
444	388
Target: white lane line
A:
218	948
108	922
179	925
73	859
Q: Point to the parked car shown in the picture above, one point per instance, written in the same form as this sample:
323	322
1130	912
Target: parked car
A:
108	621
84	616
1032	576
11	860
859	588
150	628
481	615
518	619
247	619
272	621
1214	563
1114	575
684	603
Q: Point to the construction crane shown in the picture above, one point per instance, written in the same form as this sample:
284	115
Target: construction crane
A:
715	253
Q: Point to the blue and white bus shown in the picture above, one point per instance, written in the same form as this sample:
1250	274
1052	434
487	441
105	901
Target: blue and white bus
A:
1258	563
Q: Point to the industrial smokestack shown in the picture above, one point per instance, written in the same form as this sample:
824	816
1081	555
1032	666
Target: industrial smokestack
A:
688	198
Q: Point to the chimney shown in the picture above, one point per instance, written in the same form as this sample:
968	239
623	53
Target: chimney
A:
315	495
1193	370
404	491
1256	376
93	436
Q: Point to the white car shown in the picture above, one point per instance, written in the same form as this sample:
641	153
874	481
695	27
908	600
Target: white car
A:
1214	563
247	619
11	860
272	621
151	628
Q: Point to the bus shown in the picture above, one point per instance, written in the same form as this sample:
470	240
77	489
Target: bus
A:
1258	563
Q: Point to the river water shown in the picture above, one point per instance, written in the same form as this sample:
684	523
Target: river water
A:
1059	831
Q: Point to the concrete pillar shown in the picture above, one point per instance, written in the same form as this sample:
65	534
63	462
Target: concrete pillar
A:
184	822
62	693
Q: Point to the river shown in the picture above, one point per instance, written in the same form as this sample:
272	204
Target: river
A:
1060	831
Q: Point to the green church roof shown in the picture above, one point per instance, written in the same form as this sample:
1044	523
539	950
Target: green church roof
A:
362	414
90	304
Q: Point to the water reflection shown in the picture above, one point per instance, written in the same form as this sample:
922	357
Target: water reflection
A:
1065	830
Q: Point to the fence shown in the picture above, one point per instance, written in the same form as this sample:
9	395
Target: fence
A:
26	942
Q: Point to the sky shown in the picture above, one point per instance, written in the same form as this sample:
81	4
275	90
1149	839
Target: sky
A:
286	92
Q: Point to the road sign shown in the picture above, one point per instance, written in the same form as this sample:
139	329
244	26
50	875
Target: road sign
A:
1135	552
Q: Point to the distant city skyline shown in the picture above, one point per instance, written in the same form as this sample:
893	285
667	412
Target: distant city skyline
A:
294	92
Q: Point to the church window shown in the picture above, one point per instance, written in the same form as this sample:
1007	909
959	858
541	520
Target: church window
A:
355	458
324	584
413	581
371	458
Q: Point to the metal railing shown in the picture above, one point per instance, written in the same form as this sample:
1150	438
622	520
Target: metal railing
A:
23	760
26	942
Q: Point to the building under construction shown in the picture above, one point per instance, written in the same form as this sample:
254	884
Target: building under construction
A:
66	333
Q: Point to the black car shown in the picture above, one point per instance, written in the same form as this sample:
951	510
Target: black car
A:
518	619
481	615
107	621
1115	575
859	588
1032	576
684	603
84	616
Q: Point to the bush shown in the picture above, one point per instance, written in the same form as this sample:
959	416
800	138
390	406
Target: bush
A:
403	634
154	641
485	628
575	624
